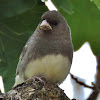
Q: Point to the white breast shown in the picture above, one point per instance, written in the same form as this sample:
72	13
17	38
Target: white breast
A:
54	68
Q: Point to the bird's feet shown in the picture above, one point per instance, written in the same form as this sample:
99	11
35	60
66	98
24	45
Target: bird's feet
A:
38	79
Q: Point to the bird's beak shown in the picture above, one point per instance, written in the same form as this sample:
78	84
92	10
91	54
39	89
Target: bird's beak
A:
45	25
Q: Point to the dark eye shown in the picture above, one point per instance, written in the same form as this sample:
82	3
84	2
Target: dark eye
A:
53	22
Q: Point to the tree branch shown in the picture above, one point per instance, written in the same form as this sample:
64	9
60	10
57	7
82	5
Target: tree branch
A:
35	89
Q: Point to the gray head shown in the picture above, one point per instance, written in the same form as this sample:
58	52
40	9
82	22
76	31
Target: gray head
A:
54	22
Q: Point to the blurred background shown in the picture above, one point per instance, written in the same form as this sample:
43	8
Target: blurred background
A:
18	20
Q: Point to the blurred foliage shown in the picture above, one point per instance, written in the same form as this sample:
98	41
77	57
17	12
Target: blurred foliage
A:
66	5
97	2
19	18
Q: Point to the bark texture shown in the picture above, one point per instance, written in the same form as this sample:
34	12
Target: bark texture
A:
36	88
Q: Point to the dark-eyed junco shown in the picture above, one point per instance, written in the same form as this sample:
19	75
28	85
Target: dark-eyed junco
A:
48	52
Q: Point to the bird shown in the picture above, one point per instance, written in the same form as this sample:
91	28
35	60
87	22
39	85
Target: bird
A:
48	52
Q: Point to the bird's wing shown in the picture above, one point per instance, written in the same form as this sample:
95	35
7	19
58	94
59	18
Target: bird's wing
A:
20	59
23	58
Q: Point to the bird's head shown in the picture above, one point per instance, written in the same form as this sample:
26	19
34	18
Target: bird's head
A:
53	22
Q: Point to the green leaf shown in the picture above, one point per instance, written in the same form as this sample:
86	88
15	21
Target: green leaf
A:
27	19
65	5
9	8
18	20
97	2
10	47
84	24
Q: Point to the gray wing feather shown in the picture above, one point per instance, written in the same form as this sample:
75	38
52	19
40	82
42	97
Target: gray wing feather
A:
23	56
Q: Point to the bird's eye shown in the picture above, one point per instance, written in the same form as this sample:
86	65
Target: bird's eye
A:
53	22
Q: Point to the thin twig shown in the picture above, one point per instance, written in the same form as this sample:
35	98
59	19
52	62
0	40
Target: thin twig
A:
81	83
